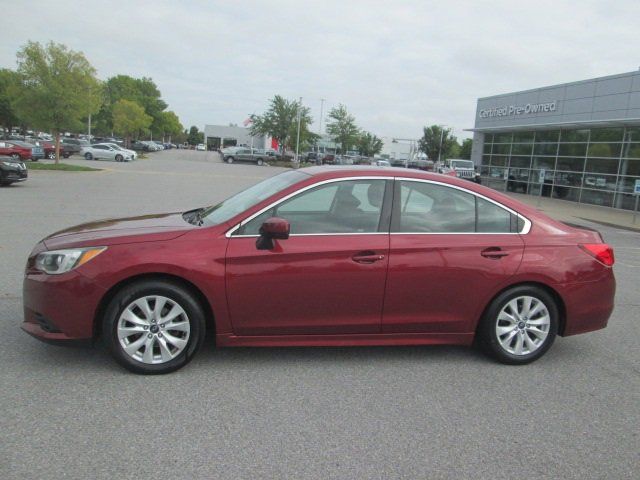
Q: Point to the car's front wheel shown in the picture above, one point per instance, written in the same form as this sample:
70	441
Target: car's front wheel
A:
88	156
119	158
259	162
51	155
520	325
154	326
229	160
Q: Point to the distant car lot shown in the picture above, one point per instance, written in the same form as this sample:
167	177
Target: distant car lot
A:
412	412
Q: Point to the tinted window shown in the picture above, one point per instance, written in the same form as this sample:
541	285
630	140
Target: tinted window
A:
352	206
430	208
492	218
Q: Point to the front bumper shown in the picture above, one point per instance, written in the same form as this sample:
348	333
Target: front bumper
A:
60	308
13	174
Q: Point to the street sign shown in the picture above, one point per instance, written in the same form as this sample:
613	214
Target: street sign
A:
636	189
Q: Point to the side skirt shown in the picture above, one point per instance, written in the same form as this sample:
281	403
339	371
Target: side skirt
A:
230	340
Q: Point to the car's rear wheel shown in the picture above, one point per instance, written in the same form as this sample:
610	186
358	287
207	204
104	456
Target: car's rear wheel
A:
51	155
229	160
520	325
119	158
154	326
88	156
259	162
15	156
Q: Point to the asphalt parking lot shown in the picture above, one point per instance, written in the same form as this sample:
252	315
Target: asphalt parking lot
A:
388	412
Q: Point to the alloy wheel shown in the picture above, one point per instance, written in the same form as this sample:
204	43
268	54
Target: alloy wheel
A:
523	325
153	329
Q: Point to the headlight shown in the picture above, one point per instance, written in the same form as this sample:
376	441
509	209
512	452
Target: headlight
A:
10	164
56	262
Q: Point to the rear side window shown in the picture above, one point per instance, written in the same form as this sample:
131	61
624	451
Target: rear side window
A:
421	207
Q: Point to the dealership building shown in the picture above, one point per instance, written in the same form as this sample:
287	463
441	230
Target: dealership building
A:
577	141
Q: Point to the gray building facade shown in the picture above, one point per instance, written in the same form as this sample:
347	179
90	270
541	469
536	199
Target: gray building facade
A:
578	141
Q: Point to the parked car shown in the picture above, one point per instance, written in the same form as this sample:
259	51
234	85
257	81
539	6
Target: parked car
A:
102	151
242	154
201	146
140	146
464	169
393	255
328	159
73	145
19	150
12	171
382	163
132	153
50	149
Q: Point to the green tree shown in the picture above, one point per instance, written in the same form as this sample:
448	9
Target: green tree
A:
195	137
342	128
170	125
437	142
368	144
58	87
129	119
280	121
9	80
143	91
465	149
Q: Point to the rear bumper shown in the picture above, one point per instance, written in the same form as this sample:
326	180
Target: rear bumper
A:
588	305
60	308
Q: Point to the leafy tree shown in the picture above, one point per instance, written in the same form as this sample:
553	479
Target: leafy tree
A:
434	139
342	128
143	91
465	149
9	80
129	119
170	125
280	121
57	88
195	137
368	144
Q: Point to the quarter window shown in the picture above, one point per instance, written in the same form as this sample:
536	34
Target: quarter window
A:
352	206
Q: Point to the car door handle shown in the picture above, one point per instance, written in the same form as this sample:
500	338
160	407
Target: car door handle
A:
367	257
494	253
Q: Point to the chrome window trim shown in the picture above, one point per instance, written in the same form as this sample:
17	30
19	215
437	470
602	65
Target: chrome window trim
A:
527	223
525	230
230	232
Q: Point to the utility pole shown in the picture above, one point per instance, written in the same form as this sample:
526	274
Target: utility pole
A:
320	126
89	128
298	136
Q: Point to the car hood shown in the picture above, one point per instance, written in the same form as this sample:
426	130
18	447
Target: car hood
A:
145	228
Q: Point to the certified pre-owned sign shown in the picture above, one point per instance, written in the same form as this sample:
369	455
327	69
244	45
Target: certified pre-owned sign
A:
508	110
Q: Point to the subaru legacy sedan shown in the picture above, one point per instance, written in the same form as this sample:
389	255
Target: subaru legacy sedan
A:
324	256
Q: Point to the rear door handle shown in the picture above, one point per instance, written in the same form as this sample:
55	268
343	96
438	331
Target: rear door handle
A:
367	257
494	253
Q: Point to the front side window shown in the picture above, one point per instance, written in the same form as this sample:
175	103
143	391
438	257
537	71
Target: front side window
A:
350	206
431	208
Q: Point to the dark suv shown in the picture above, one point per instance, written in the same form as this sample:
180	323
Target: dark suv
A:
73	145
11	171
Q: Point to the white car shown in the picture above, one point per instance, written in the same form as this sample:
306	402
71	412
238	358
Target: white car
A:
200	146
103	151
133	153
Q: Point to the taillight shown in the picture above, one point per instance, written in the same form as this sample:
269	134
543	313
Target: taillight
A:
600	251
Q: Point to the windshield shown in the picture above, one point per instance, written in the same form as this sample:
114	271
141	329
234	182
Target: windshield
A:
461	164
247	198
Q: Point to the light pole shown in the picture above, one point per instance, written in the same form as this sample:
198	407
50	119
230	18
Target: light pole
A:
298	136
440	148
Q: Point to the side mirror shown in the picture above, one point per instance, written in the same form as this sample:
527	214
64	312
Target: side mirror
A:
274	228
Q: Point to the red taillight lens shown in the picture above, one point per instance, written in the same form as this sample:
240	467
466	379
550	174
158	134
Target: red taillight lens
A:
601	252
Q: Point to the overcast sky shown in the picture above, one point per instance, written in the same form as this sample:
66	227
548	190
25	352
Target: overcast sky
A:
396	65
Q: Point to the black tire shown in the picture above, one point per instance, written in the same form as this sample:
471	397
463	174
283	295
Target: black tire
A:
88	156
488	338
51	156
15	156
5	184
259	162
175	292
229	160
66	155
119	158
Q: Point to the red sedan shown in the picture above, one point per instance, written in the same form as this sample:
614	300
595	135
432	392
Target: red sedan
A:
393	257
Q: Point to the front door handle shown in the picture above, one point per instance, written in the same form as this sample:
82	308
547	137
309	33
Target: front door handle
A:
367	257
494	253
